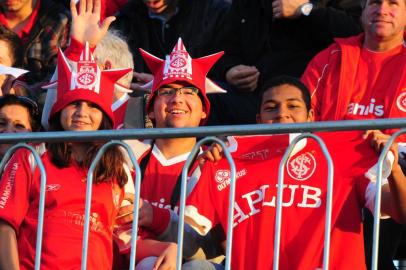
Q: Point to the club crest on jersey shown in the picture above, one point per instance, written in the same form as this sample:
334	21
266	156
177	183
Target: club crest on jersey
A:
301	167
87	75
222	175
401	101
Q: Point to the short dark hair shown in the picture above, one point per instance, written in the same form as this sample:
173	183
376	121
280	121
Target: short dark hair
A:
14	45
282	80
31	105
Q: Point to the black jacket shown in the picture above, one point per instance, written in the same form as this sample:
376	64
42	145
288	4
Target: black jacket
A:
49	32
276	47
197	22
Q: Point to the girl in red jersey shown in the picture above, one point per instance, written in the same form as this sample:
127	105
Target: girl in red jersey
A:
84	98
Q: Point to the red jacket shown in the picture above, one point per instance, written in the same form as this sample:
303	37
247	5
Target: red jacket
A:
337	88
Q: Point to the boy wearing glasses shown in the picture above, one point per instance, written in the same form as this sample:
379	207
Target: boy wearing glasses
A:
178	100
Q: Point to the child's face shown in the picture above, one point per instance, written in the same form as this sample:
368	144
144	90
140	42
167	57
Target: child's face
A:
283	104
81	116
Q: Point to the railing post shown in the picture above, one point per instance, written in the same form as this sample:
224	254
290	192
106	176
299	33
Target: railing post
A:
182	202
89	199
279	199
41	206
377	210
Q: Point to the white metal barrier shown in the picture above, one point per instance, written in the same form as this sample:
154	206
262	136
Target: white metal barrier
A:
279	200
182	202
202	132
89	185
41	209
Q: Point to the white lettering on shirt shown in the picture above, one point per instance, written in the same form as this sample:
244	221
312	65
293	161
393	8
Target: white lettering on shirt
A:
253	202
364	110
8	187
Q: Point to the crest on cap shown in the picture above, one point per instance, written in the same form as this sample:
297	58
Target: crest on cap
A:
87	83
180	67
178	64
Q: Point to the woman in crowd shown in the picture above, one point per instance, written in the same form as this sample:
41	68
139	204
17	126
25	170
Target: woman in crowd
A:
17	114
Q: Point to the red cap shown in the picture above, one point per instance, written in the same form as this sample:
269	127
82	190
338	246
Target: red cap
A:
88	83
180	67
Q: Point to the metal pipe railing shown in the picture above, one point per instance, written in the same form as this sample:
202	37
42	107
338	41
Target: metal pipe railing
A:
182	202
153	133
41	206
201	132
377	210
279	199
89	184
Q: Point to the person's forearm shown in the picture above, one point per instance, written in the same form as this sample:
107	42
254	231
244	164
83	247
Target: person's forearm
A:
8	247
150	247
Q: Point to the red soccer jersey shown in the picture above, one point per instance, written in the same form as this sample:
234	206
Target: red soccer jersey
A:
304	201
160	178
346	81
64	214
257	146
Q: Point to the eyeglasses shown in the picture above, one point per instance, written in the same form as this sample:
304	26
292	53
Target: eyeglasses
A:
187	91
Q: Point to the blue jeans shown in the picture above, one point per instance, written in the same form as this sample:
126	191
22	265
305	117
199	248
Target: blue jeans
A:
148	264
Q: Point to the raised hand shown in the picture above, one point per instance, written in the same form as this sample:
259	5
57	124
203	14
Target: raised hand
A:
86	25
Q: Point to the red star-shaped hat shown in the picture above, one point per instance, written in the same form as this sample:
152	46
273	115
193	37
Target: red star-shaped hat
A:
87	83
180	67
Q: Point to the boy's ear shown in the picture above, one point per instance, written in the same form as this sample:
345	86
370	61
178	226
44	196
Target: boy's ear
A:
258	118
204	114
310	116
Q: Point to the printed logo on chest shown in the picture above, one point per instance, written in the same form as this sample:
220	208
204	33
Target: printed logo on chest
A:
366	109
401	101
223	177
52	187
301	167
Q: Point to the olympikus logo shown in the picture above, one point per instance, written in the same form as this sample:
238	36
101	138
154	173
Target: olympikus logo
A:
371	108
223	178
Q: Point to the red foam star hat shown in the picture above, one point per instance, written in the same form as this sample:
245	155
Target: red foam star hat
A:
119	109
180	67
87	83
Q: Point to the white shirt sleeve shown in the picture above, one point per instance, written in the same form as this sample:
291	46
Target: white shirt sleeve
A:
372	175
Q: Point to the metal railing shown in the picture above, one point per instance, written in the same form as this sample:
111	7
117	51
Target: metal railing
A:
115	135
279	198
41	210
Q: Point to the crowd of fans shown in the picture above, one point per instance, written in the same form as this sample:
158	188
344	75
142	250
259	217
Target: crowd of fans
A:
104	64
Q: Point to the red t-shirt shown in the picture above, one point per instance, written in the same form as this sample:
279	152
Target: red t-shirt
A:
304	199
161	176
257	146
64	214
